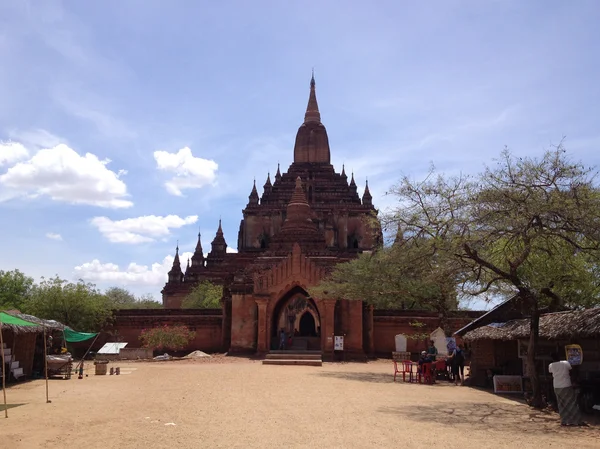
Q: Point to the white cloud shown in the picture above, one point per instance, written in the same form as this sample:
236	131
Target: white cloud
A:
53	236
11	152
140	229
37	139
190	172
63	175
133	274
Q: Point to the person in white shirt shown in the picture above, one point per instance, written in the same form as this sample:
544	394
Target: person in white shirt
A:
565	394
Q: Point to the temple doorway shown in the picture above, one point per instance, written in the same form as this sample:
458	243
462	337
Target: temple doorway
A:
307	327
297	315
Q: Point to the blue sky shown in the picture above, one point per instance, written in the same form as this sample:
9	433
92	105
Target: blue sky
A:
126	126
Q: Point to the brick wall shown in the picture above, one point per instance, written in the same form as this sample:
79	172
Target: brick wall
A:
388	324
129	324
482	359
243	326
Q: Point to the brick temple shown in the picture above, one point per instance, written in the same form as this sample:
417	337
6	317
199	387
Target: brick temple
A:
307	220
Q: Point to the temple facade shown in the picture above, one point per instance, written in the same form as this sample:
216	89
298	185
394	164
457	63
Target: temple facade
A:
308	219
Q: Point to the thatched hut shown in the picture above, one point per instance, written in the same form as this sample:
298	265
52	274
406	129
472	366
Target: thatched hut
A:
19	340
500	347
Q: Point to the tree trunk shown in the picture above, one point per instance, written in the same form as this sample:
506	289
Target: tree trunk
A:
534	332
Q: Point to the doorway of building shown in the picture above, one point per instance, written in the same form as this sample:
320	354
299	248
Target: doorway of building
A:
297	315
307	326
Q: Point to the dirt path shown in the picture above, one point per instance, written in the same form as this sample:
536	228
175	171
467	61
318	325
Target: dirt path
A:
191	404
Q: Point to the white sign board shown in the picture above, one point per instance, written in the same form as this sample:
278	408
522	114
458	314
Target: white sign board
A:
400	340
338	344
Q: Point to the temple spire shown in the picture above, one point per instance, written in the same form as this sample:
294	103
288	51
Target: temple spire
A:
312	109
278	174
344	172
367	199
252	198
198	257
176	275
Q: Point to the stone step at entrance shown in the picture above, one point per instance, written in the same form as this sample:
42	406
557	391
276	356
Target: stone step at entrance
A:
293	355
306	358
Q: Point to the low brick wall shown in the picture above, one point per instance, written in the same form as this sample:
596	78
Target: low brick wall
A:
129	324
135	353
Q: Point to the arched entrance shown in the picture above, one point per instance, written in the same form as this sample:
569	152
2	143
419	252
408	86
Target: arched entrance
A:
297	315
307	327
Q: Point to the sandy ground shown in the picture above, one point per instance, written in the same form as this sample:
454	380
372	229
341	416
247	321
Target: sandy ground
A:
239	403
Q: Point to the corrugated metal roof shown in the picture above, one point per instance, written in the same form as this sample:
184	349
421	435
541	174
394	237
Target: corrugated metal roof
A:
111	348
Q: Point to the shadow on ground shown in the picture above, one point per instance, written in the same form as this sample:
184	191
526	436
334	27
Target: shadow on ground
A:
9	406
487	416
383	378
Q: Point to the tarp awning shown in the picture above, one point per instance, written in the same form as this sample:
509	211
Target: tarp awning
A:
17	323
74	337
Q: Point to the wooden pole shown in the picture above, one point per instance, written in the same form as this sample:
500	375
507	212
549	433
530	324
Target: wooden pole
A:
3	372
46	364
87	352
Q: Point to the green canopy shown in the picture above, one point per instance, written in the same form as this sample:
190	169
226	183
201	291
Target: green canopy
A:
17	324
74	337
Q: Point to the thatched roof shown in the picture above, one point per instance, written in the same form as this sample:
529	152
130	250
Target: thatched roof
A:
17	325
553	326
49	324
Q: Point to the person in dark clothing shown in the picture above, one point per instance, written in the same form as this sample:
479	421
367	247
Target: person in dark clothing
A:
281	339
458	364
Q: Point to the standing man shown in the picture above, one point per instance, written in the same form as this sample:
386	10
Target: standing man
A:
281	339
565	394
458	365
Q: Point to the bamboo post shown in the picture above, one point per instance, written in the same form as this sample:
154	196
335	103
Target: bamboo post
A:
46	364
86	352
3	372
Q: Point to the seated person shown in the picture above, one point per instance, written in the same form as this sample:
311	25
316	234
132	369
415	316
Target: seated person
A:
432	351
424	359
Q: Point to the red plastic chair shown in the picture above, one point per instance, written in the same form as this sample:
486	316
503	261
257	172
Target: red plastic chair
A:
425	374
396	371
406	369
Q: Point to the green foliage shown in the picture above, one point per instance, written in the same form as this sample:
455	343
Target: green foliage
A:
147	301
121	298
15	289
205	295
78	305
407	275
527	227
167	337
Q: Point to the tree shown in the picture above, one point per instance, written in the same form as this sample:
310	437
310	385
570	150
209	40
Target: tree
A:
15	289
407	275
120	298
205	295
167	337
526	227
147	301
78	305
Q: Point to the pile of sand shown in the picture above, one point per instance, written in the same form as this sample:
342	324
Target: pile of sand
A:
197	355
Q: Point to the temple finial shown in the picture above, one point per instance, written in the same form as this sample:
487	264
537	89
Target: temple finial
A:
312	109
